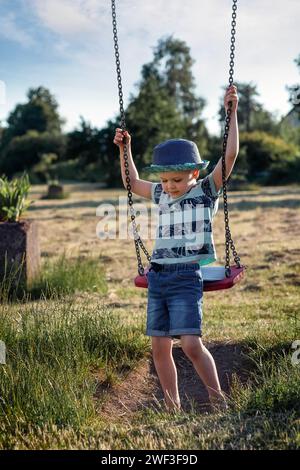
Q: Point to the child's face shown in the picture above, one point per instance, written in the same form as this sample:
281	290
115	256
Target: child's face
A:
177	183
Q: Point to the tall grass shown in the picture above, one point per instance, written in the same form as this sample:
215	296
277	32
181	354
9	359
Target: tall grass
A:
65	276
57	277
52	350
274	382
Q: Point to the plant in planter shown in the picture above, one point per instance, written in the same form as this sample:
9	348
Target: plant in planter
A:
44	171
55	189
19	245
41	171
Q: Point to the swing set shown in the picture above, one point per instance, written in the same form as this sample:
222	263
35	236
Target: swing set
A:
214	277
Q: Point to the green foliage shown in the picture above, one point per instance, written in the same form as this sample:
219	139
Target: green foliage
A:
83	143
294	91
33	128
265	152
71	170
25	151
172	64
289	133
287	171
161	121
109	159
274	384
251	115
91	150
39	114
166	105
44	168
13	196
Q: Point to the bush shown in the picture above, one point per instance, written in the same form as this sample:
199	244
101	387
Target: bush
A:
43	170
25	151
71	170
285	172
265	152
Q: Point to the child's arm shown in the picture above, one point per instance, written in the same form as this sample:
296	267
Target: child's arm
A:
138	186
232	148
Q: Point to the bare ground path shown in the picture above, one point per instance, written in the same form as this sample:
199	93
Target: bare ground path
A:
141	388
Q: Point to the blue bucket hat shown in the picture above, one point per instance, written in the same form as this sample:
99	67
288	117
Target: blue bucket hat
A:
176	155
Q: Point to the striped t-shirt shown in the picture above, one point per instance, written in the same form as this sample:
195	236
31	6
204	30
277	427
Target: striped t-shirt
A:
184	231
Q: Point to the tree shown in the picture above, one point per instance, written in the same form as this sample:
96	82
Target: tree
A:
173	65
294	91
152	117
109	158
265	152
166	105
251	115
38	114
83	143
33	128
24	151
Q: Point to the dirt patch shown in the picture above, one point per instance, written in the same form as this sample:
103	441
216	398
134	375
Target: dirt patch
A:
252	288
274	256
260	266
284	255
141	389
292	279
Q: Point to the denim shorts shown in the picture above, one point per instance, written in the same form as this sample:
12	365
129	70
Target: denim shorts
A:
175	297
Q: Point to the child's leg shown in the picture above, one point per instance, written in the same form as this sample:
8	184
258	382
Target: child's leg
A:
204	364
166	370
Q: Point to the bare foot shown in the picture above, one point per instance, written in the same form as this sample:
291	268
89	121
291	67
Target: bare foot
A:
218	402
173	407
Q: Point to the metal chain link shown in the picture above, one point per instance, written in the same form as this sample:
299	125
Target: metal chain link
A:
228	237
137	239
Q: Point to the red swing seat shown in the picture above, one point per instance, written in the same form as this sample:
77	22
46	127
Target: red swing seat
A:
214	277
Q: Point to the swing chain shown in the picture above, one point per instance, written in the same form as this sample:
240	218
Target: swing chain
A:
137	239
228	237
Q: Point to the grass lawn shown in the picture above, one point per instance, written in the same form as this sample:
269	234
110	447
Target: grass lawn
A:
79	372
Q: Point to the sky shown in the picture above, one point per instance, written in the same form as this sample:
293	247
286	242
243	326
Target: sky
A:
67	46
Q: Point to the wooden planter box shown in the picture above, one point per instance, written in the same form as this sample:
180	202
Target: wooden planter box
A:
19	241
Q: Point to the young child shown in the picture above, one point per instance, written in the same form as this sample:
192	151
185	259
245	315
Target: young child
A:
175	282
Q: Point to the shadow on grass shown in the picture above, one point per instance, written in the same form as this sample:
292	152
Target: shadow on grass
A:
282	191
245	205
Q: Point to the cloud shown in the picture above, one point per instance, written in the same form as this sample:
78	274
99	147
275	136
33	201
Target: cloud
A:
69	18
10	30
